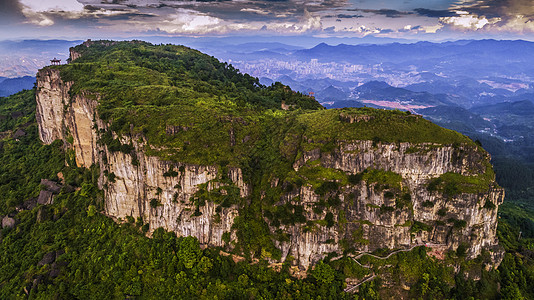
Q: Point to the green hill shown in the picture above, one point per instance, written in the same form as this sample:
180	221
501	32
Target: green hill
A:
68	250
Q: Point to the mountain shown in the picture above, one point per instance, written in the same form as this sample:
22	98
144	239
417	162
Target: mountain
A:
219	143
331	93
9	86
456	54
25	57
456	117
382	94
232	180
519	108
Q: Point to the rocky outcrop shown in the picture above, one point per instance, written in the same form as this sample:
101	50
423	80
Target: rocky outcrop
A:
368	219
136	187
8	222
366	215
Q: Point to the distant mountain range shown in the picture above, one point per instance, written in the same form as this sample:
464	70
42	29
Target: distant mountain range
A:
24	58
9	86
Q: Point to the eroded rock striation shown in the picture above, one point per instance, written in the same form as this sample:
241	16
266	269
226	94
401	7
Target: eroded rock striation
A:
385	195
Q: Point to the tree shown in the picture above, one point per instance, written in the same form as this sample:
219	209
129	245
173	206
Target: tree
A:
189	251
323	273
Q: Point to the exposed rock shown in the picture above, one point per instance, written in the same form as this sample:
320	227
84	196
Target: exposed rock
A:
47	259
45	197
8	222
51	186
17	114
56	267
30	203
19	133
61	177
42	214
37	281
365	220
55	270
352	118
171	130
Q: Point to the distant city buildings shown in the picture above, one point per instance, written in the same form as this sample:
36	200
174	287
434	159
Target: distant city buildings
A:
314	69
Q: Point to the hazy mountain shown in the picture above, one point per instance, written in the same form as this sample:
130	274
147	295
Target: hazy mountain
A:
381	91
331	93
9	86
457	118
519	108
483	53
24	58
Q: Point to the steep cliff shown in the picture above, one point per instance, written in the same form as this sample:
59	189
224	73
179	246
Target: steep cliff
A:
271	184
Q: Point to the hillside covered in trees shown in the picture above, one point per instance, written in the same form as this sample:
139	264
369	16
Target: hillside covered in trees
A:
57	242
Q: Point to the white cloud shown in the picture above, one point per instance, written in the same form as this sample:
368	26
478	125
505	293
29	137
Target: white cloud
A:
519	24
468	21
431	29
311	22
38	12
52	5
182	21
253	10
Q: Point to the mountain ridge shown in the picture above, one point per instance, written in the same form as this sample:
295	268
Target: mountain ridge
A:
313	168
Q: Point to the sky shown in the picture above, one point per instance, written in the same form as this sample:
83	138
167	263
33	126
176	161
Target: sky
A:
431	20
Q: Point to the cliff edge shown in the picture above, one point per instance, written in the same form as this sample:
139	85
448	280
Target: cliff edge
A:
189	144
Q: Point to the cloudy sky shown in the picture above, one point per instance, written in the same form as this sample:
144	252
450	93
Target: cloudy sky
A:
408	19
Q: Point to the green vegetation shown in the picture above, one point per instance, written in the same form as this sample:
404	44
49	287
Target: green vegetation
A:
194	109
382	126
453	184
418	226
191	108
92	257
24	162
383	179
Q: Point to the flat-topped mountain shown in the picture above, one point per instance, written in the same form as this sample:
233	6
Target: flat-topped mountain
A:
189	144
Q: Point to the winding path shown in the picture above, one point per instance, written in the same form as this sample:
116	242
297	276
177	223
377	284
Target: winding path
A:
350	289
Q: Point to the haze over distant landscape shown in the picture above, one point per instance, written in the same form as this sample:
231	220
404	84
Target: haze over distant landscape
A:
274	159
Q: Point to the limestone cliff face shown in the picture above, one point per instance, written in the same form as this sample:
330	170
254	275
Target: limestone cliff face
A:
136	182
366	219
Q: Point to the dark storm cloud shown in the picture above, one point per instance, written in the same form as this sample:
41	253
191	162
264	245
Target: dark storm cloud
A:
498	8
386	30
223	16
345	16
10	11
434	13
494	15
91	8
126	16
390	13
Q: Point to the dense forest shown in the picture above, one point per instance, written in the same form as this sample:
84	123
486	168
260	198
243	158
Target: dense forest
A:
57	244
70	250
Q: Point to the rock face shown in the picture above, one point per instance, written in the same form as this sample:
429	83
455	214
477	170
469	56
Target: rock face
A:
368	214
366	218
8	222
